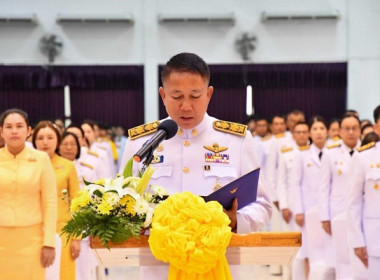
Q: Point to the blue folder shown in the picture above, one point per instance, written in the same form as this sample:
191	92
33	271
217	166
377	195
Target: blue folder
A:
244	188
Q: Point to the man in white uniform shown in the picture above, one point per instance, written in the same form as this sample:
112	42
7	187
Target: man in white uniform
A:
335	172
206	153
363	199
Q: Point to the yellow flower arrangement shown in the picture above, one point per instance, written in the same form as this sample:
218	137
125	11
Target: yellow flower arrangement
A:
114	209
192	236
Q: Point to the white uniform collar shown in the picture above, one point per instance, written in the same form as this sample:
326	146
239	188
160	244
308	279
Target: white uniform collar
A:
195	131
348	149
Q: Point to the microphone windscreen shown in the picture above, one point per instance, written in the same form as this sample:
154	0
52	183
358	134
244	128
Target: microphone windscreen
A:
170	127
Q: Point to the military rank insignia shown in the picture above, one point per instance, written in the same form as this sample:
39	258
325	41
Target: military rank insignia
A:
230	127
143	130
216	156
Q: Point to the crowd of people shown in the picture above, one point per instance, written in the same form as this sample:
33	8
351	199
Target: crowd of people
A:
312	173
41	170
322	179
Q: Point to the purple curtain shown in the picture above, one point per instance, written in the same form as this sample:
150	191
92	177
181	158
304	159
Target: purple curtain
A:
315	88
110	94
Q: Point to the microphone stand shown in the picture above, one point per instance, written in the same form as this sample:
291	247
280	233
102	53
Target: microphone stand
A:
148	159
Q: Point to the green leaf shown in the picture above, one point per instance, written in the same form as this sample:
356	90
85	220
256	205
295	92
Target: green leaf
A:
86	182
128	169
114	191
98	193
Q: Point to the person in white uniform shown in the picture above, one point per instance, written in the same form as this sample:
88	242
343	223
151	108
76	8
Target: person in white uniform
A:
88	156
190	161
89	132
334	179
285	183
363	199
306	171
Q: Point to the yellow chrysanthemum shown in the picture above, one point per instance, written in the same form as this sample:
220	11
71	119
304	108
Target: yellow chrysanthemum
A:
83	198
192	236
104	208
129	203
74	205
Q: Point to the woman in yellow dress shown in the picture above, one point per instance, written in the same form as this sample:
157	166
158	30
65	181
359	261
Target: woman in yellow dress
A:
47	138
28	203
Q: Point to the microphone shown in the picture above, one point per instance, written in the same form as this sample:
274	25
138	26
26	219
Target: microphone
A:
166	130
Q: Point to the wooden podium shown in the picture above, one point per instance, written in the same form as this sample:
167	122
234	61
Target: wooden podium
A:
254	248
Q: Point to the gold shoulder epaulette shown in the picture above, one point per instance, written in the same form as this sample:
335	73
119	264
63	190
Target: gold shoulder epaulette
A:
304	148
336	145
285	150
280	135
367	146
92	153
86	164
230	127
142	130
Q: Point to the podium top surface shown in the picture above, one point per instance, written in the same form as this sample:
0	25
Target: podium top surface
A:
257	239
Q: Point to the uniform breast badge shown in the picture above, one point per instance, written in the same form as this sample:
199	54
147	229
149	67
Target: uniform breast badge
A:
339	172
158	159
310	164
216	157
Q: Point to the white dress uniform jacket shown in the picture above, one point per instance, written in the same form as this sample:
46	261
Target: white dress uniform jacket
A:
183	167
306	172
285	178
281	141
95	161
364	201
335	171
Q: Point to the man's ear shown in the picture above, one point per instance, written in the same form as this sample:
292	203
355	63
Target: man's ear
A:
162	94
210	91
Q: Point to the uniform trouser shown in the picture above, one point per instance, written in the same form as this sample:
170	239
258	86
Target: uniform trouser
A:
86	263
374	267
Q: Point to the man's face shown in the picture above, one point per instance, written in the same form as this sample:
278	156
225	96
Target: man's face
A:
186	97
278	125
293	119
350	131
301	134
261	128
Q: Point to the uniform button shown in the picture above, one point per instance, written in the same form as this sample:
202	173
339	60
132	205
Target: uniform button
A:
180	132
186	143
186	170
194	132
